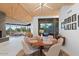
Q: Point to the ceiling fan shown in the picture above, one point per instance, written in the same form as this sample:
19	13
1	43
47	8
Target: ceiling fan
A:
43	5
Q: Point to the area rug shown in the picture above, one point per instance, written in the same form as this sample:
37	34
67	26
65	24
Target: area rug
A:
21	53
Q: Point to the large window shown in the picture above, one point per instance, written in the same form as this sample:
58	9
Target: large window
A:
47	27
16	29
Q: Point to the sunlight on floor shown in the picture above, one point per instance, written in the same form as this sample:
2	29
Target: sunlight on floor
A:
12	47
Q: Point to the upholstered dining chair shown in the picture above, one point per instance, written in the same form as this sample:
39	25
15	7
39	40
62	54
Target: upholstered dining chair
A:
60	40
27	48
50	36
54	49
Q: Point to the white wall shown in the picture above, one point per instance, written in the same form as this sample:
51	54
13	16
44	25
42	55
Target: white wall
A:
34	23
72	36
34	26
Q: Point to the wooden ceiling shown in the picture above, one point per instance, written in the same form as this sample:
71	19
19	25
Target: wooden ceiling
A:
25	11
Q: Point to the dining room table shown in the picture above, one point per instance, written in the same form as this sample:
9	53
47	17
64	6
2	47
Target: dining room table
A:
40	44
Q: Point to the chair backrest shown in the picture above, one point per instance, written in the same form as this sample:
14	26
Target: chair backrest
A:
54	50
26	47
60	40
50	36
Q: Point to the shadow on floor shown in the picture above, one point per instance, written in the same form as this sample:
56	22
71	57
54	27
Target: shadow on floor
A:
37	53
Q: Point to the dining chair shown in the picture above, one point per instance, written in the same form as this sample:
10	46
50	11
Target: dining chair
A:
28	49
60	40
50	36
54	49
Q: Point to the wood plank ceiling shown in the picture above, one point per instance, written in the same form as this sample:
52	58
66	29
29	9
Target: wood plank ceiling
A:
25	11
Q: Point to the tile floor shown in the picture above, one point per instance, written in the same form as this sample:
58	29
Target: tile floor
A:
11	47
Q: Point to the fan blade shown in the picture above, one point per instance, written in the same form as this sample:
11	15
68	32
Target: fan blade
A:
37	8
48	7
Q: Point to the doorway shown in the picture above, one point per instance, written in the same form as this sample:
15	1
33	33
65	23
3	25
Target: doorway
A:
48	26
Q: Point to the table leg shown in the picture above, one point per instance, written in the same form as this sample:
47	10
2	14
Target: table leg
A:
41	53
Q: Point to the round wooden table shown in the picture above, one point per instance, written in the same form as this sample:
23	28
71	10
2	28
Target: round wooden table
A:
39	44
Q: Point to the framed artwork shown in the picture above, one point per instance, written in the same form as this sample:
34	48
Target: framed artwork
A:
65	21
69	19
65	27
78	20
62	25
74	26
73	17
69	23
70	27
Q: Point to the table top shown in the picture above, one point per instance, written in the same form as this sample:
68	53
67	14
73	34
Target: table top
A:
39	43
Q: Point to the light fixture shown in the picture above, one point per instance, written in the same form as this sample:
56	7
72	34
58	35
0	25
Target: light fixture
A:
43	5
